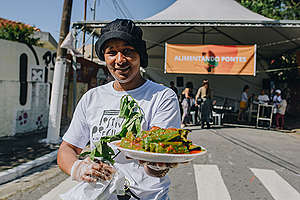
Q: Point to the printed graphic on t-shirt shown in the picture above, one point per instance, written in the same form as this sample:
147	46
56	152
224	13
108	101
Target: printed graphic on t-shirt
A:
109	124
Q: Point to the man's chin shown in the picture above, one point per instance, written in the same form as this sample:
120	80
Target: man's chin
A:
122	79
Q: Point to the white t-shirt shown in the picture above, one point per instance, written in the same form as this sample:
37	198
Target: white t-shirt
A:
244	97
97	115
282	107
263	98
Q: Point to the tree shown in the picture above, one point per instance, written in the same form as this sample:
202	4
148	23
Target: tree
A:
274	9
20	33
279	10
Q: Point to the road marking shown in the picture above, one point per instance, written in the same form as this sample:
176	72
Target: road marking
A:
277	186
62	188
210	184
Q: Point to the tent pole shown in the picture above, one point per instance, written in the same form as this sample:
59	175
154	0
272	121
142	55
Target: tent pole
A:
175	35
203	35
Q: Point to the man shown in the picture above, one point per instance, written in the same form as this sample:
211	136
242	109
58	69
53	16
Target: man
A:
96	115
204	100
277	100
172	86
262	97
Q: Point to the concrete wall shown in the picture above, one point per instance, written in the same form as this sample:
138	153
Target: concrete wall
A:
33	115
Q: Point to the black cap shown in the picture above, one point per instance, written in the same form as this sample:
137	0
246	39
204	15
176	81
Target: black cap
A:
126	30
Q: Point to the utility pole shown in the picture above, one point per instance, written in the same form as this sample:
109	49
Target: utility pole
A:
58	78
84	19
93	37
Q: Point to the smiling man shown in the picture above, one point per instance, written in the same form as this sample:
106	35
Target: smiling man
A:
97	115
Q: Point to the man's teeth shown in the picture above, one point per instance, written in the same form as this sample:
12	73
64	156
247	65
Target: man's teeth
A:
125	68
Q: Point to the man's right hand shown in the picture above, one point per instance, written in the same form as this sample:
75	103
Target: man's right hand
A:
90	171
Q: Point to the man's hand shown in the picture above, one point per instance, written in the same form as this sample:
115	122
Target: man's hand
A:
90	171
157	169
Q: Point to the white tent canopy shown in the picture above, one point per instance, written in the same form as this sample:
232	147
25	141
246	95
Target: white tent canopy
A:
223	22
206	10
219	22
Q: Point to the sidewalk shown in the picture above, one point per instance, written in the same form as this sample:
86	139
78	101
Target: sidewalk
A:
18	154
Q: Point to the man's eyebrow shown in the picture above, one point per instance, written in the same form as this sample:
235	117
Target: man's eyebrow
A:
111	47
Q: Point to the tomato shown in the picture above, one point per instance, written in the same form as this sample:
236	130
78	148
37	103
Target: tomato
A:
173	129
153	128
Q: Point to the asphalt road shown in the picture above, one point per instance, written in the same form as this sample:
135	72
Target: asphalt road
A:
234	152
241	164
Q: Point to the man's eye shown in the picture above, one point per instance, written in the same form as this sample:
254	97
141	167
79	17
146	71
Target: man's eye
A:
128	52
111	53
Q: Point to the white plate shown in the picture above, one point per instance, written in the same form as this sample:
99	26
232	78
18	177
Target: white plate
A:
158	157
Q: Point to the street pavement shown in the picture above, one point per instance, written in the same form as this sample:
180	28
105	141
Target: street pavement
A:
241	163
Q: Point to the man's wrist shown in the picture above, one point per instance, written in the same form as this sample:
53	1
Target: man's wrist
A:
156	173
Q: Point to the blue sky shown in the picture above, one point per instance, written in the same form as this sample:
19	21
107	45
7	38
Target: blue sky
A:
46	14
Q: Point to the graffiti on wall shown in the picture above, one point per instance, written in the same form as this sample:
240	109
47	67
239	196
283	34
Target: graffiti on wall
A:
35	116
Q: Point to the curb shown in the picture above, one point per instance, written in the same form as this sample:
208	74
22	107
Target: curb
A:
19	171
28	183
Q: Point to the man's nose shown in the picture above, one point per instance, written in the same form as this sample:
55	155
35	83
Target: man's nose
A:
120	58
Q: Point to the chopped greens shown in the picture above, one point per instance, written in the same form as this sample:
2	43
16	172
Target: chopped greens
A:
159	140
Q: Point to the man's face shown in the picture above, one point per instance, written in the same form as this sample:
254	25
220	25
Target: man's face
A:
122	60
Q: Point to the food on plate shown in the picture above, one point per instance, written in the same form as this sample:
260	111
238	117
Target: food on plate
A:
160	140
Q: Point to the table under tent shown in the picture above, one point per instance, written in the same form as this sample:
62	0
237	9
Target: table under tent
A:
212	22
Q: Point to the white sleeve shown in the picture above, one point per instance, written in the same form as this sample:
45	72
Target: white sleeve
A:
167	114
78	131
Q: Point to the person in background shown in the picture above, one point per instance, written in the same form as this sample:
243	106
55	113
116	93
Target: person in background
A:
262	97
243	103
92	83
121	46
172	86
277	100
187	100
281	112
203	99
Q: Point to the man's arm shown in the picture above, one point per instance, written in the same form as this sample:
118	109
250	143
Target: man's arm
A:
66	156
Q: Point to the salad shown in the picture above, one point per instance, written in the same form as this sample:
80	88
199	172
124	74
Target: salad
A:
159	140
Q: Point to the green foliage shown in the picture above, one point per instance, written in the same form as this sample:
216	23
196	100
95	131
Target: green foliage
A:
131	112
279	10
274	9
19	33
284	61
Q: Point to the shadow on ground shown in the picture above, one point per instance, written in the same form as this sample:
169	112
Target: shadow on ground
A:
16	150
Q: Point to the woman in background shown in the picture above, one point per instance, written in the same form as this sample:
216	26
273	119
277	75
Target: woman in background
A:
243	103
281	112
186	103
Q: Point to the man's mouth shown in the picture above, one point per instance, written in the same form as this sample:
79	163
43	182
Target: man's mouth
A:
123	68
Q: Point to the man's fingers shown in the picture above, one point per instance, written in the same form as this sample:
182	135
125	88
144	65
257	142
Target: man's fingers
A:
88	178
101	167
92	175
142	162
172	165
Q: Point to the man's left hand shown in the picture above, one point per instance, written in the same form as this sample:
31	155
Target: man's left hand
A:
157	169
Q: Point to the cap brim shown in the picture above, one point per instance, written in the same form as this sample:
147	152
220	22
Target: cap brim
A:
112	35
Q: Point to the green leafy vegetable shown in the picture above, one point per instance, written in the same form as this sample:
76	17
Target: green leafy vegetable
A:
131	112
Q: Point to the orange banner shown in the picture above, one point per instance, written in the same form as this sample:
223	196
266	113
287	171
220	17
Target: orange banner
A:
210	59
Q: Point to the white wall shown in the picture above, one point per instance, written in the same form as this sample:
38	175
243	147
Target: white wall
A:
14	117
